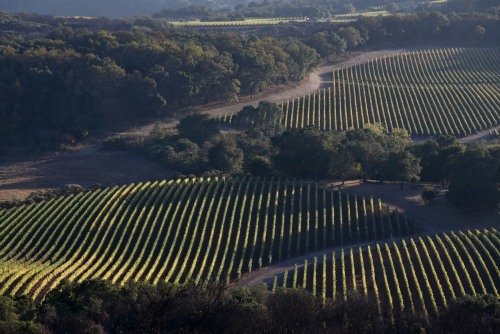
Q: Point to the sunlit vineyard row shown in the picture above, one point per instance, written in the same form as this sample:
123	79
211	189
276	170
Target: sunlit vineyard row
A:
423	273
452	91
339	18
438	91
181	230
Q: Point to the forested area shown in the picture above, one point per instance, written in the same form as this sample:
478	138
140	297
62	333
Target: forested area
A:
99	307
61	79
60	87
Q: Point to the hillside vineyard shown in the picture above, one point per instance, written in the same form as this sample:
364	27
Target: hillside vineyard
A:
181	230
430	92
422	273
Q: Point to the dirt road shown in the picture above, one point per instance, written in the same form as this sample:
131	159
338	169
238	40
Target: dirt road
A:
19	176
266	274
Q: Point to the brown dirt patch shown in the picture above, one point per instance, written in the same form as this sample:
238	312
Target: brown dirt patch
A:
436	217
20	176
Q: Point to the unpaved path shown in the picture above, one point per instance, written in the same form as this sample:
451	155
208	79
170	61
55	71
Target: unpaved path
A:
89	164
483	135
437	217
266	274
319	78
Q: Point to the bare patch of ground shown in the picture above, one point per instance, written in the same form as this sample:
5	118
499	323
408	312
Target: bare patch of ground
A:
435	217
20	176
89	164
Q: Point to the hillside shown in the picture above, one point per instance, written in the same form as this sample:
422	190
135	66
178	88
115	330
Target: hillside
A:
426	92
420	274
109	8
181	230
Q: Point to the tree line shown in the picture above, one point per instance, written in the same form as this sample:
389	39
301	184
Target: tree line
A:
61	87
197	146
100	307
64	78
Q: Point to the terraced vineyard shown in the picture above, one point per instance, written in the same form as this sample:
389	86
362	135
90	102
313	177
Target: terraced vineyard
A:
421	273
431	92
181	230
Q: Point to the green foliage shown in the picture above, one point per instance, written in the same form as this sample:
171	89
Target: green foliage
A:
265	118
198	128
175	230
226	156
475	179
402	166
428	193
419	280
62	87
305	153
17	315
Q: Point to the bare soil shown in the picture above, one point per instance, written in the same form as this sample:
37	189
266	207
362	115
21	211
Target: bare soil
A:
319	78
20	176
435	217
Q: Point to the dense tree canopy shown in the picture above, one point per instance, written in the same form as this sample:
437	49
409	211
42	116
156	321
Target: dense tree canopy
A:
100	307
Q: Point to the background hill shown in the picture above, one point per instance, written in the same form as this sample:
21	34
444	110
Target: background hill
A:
110	8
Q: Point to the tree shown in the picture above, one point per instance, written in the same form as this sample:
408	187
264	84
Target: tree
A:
266	118
305	153
198	128
435	156
351	35
226	156
367	145
475	179
402	166
469	314
344	164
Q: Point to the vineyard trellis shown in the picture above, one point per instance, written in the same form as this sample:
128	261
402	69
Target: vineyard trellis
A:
420	273
451	91
179	230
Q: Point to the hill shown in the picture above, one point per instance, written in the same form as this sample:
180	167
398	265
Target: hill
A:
427	92
109	8
181	230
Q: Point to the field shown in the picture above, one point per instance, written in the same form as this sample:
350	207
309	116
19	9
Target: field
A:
181	230
422	273
429	92
341	18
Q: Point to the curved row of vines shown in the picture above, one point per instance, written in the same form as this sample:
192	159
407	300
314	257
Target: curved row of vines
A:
181	230
451	91
422	273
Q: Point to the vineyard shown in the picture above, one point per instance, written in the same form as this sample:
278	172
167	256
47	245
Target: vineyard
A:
339	18
181	230
421	274
438	91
